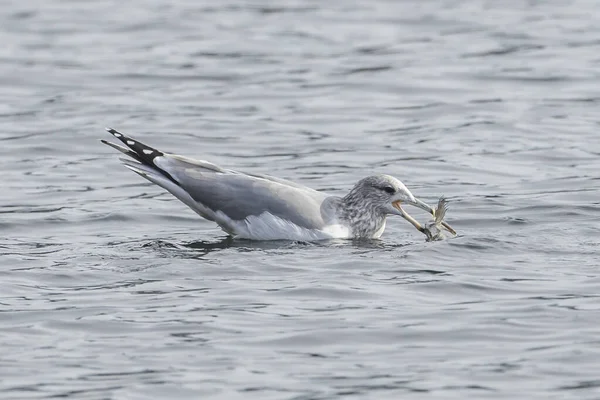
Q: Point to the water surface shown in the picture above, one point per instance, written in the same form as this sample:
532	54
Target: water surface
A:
112	289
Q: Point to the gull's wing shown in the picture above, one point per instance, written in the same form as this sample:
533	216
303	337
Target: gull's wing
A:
222	195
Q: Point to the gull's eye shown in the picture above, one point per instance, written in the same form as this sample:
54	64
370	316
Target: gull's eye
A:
389	190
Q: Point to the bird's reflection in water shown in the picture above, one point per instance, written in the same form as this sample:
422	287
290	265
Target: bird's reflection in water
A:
202	248
211	245
195	249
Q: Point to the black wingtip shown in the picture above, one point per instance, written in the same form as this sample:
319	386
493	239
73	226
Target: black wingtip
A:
139	151
144	151
115	133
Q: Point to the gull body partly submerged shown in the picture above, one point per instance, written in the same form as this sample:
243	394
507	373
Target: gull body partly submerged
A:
262	207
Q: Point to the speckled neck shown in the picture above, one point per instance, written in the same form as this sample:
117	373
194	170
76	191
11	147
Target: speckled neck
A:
364	218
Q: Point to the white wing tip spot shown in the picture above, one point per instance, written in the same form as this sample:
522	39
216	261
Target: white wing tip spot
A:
146	151
113	132
130	142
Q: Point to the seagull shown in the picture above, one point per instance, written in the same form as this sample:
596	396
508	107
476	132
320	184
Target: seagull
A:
262	207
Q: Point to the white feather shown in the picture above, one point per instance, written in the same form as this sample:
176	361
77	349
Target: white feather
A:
378	234
267	226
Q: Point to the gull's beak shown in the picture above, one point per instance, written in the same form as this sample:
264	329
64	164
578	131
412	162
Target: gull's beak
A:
407	217
424	206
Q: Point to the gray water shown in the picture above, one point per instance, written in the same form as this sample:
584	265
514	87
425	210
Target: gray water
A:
112	289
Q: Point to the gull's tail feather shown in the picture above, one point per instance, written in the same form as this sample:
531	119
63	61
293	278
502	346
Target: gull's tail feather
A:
140	152
145	162
122	150
441	210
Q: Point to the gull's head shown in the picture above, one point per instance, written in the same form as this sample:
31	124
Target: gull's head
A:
383	192
384	195
387	195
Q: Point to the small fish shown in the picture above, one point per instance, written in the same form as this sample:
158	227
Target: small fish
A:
433	229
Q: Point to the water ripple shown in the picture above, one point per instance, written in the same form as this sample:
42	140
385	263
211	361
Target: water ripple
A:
110	288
